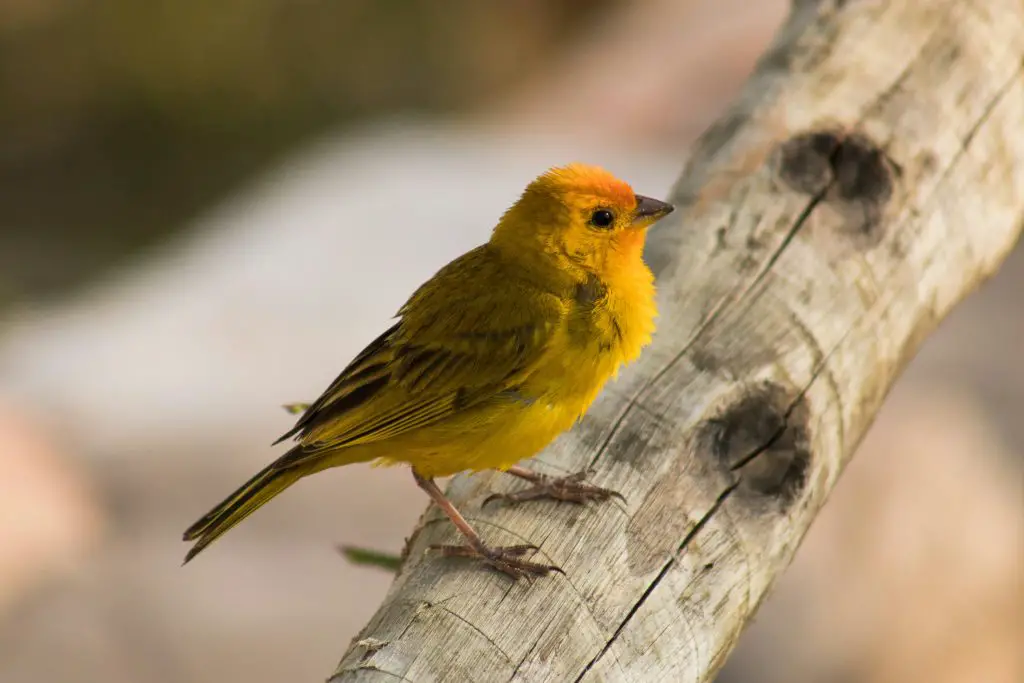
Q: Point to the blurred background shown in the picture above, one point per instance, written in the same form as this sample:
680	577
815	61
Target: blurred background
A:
207	208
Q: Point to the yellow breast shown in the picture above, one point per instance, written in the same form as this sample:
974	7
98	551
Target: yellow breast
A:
608	324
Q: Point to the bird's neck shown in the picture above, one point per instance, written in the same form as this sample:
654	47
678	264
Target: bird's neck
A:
546	267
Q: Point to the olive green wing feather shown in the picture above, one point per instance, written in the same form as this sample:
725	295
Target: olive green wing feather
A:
359	378
469	335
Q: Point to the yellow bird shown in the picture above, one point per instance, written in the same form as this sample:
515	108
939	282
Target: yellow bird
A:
497	354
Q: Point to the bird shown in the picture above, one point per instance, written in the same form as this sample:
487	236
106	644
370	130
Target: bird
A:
502	350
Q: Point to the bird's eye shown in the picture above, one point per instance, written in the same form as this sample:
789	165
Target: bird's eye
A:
602	218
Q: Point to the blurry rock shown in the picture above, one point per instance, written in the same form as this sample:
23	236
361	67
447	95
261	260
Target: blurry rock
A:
49	517
912	572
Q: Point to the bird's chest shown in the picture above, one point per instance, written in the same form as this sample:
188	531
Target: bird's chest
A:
615	320
606	327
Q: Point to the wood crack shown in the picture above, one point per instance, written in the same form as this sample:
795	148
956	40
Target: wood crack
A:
658	578
475	628
997	97
369	667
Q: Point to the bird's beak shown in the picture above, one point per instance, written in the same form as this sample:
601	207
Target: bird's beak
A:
649	210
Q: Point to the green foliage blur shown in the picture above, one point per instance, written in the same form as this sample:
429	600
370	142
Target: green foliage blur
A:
122	119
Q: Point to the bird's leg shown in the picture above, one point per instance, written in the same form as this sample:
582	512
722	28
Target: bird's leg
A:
571	488
505	559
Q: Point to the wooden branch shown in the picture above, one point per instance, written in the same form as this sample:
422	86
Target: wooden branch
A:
869	177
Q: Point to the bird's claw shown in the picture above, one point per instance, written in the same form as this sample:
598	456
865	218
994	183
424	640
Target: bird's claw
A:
506	559
571	489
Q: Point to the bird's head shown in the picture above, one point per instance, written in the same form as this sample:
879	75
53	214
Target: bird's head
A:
582	216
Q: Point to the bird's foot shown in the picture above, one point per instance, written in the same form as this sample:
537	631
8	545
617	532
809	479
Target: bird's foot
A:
572	489
506	559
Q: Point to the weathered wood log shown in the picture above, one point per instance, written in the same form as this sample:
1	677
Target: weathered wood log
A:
868	178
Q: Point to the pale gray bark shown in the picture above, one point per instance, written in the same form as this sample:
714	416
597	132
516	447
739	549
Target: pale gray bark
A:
868	178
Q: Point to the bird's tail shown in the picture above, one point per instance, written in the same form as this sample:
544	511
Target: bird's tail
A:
270	481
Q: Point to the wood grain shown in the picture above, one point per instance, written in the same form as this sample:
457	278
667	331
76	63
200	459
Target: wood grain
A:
869	177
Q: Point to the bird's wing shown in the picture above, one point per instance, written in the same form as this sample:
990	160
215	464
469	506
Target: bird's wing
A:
362	370
467	336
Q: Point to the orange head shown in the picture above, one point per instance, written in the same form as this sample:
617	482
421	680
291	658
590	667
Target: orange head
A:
582	216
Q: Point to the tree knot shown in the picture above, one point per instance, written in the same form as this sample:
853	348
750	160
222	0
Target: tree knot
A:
762	438
847	171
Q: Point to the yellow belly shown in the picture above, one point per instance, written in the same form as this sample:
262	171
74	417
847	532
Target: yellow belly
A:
496	436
